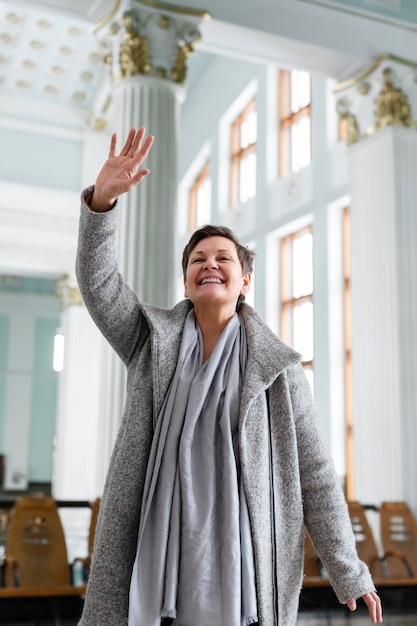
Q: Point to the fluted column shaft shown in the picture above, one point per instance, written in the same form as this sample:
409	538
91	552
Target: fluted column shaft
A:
378	107
77	451
384	324
146	242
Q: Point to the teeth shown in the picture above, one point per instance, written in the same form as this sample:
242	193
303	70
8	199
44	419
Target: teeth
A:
211	280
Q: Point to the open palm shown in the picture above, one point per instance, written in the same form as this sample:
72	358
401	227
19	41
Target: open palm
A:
121	172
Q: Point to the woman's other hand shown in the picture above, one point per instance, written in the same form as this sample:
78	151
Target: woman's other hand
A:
373	603
121	172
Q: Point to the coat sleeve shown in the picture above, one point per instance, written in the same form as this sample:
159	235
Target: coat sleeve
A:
325	510
111	303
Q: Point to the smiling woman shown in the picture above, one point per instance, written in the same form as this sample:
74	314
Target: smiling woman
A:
219	433
217	275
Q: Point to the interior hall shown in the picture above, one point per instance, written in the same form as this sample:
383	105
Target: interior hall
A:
292	122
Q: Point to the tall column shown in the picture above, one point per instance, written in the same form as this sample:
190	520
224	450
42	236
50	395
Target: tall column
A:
147	46
382	170
77	457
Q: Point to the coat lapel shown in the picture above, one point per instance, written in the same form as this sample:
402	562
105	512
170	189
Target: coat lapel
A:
166	326
268	356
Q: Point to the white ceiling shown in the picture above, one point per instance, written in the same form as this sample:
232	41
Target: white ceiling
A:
51	67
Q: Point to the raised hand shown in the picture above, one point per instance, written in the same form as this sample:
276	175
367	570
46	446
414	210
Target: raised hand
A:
121	172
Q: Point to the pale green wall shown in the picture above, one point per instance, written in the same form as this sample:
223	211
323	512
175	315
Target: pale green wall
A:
44	402
4	347
40	160
29	316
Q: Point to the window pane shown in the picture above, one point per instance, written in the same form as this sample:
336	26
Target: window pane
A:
295	123
248	129
295	91
303	330
247	177
251	180
295	148
310	377
252	127
304	89
204	203
244	134
304	138
303	265
243	172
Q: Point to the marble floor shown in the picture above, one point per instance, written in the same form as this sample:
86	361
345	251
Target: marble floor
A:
338	619
305	619
318	615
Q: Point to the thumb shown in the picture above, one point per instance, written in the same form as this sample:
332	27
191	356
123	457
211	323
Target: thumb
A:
351	604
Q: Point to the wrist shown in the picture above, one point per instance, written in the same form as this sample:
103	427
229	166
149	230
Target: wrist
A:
98	204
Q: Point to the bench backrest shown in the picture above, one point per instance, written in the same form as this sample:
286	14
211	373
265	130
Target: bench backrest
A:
36	544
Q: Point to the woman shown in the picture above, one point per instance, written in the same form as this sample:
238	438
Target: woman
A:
218	463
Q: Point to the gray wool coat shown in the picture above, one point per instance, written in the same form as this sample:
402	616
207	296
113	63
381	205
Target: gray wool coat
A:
288	476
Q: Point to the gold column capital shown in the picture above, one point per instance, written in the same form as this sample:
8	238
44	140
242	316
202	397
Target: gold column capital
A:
146	37
382	95
67	291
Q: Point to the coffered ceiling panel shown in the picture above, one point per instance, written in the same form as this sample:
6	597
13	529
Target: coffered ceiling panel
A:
49	60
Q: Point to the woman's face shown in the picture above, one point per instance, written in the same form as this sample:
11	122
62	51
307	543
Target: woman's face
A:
214	274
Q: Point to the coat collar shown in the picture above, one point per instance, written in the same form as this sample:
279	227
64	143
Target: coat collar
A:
268	356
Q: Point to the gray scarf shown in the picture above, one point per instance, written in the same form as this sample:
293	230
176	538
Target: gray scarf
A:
194	559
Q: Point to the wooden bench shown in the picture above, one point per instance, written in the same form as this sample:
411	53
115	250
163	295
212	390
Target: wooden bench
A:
395	570
36	562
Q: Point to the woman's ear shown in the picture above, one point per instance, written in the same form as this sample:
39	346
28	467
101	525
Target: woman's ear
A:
246	284
185	289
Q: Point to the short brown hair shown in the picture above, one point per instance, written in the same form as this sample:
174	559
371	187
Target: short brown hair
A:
245	255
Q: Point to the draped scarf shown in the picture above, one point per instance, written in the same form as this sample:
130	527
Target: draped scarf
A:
194	558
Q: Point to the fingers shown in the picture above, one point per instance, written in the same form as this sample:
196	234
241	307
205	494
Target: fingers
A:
373	603
138	138
113	141
147	146
128	143
133	146
139	176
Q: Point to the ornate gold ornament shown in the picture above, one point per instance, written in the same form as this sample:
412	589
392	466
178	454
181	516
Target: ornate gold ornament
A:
68	292
369	106
392	105
352	126
151	38
134	55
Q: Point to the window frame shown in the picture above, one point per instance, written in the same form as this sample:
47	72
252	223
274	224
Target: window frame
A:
347	354
288	303
202	176
287	121
238	153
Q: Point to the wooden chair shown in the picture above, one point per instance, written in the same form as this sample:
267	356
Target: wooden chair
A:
86	561
314	574
36	562
365	542
399	539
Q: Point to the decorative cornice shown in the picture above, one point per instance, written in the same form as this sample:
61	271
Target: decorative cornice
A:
164	6
380	96
106	19
360	78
